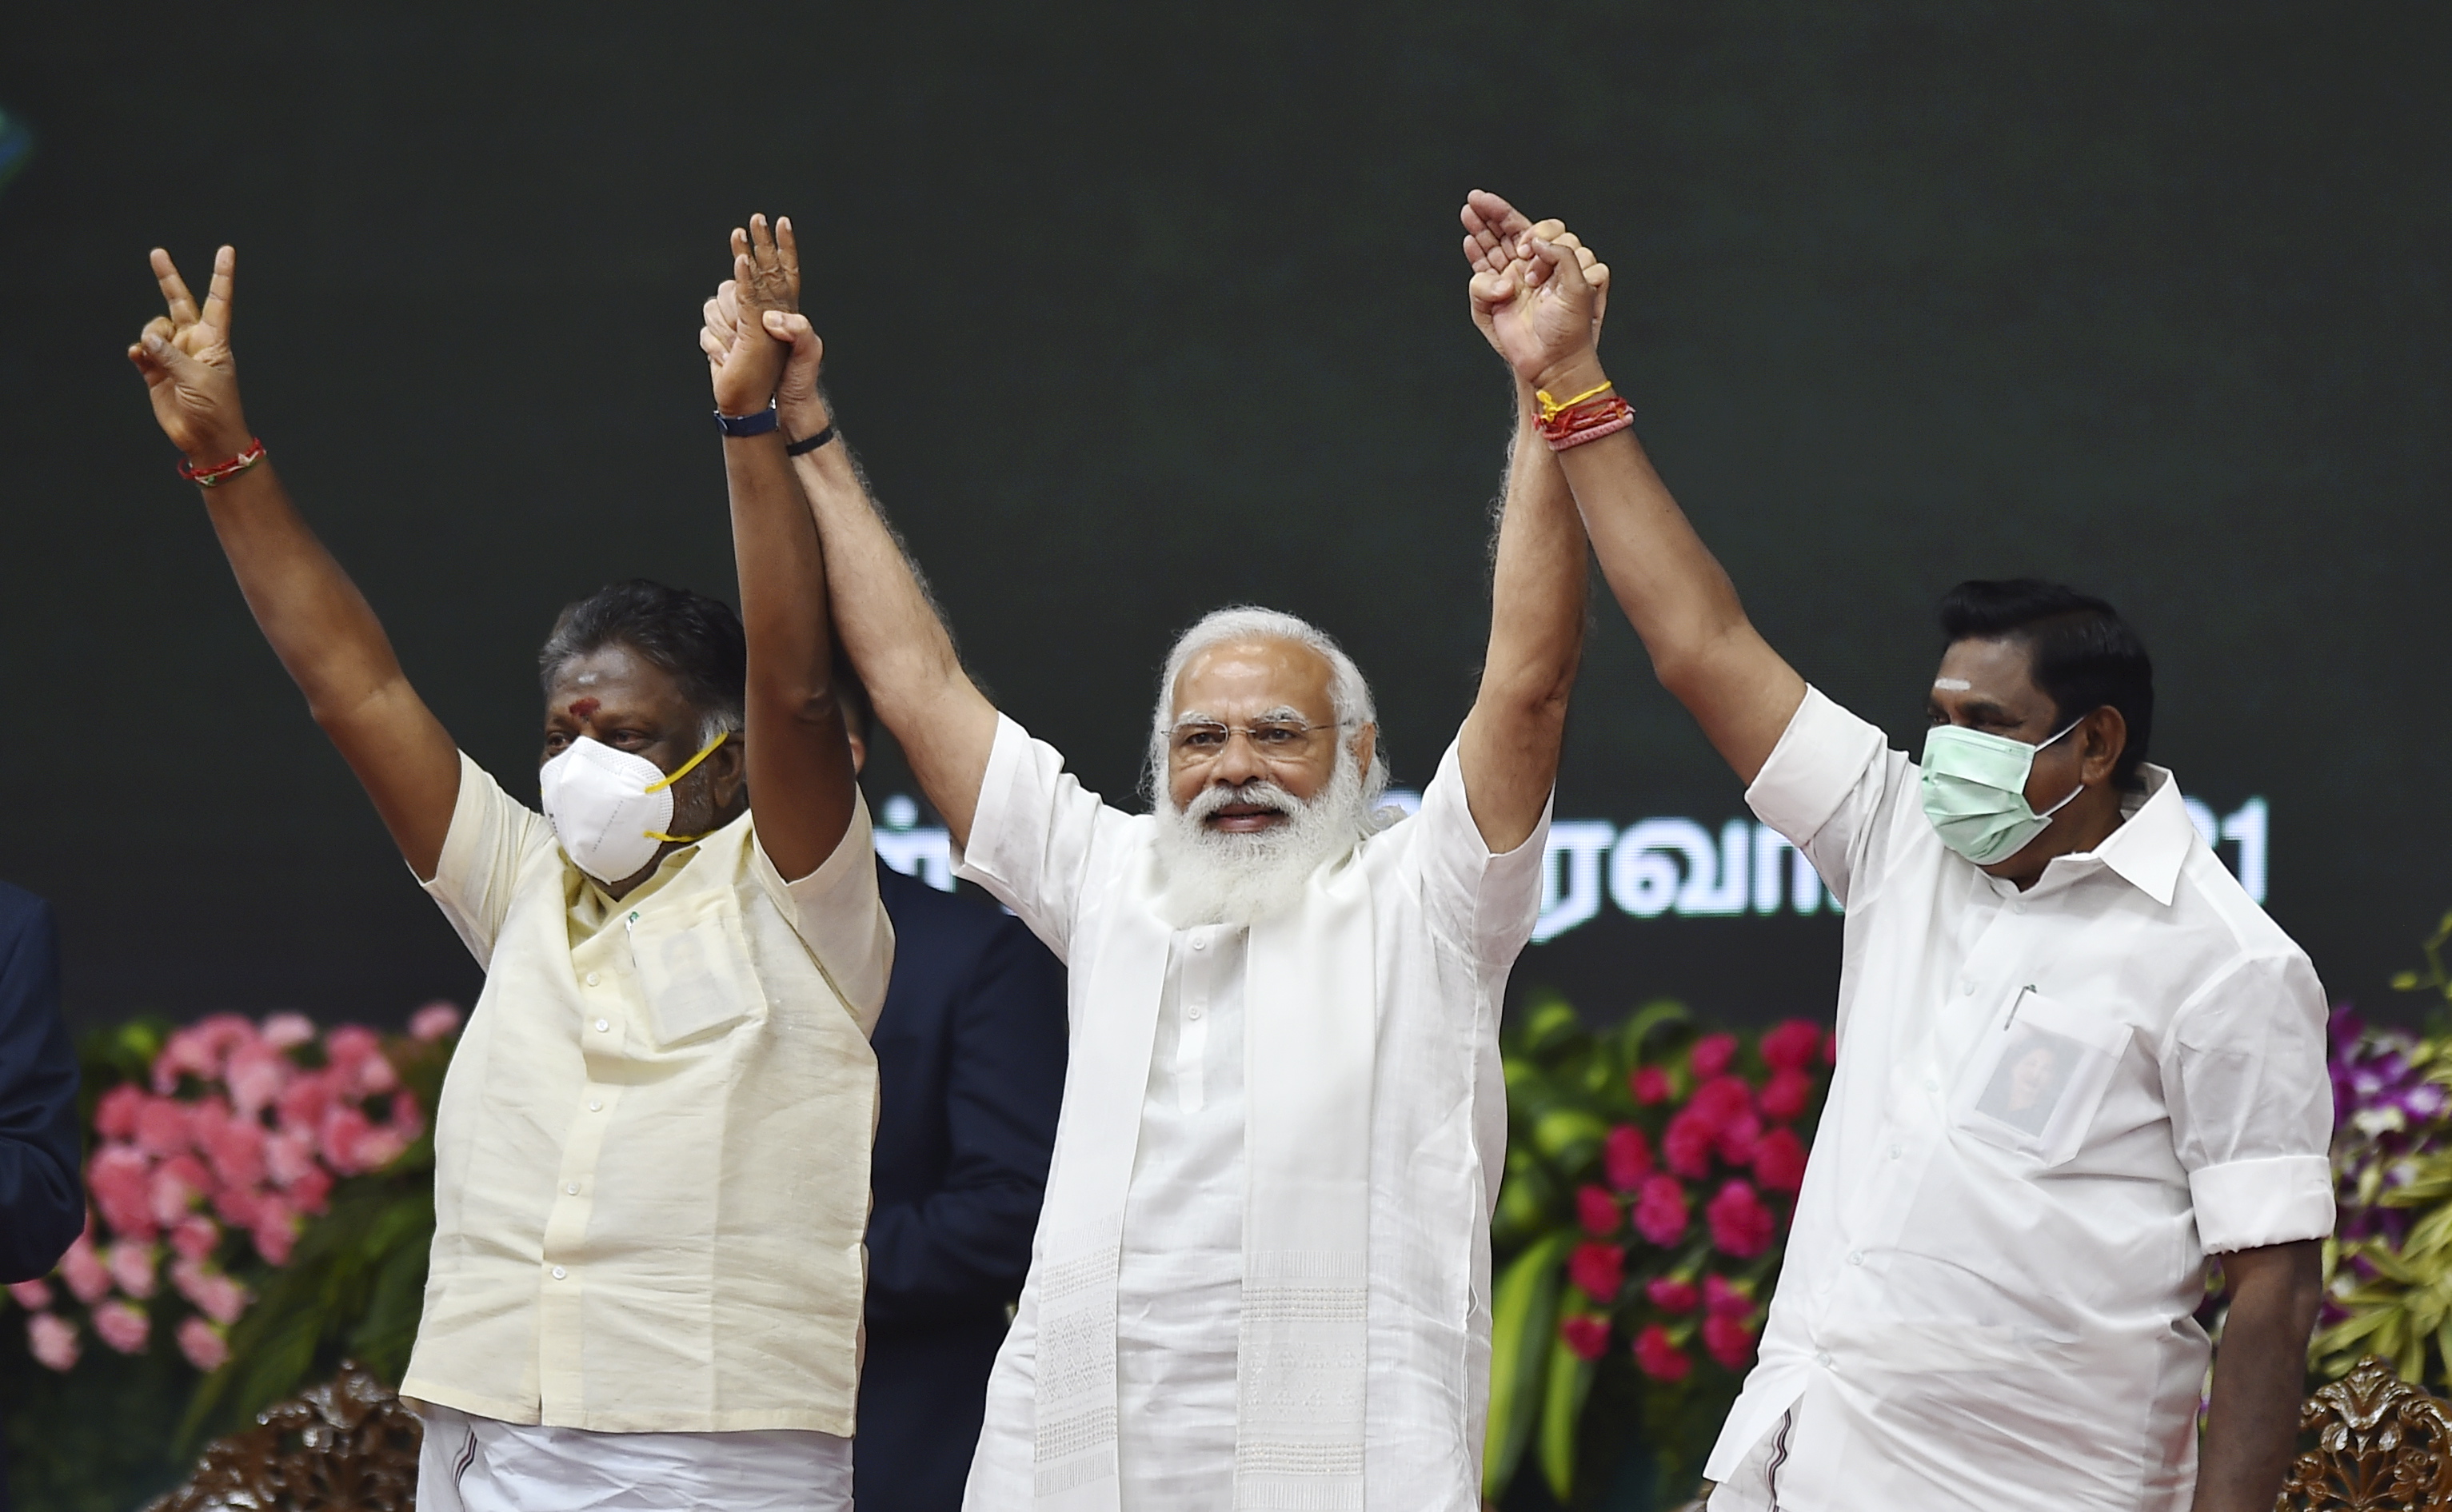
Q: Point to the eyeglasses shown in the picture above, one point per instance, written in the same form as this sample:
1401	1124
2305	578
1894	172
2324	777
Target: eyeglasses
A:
1284	739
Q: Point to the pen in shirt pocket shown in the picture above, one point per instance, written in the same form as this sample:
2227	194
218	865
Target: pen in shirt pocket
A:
2013	1007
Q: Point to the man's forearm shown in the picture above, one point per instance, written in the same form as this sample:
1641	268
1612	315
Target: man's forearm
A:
2260	1376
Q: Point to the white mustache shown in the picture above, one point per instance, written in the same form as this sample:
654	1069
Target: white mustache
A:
1259	792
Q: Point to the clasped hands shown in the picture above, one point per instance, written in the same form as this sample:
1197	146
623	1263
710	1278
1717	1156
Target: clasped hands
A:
759	345
1538	295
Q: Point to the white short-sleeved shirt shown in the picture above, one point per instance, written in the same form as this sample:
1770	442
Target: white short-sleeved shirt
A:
1447	918
2050	1108
652	1152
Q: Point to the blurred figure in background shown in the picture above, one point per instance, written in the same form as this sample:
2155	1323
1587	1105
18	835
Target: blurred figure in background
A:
42	1195
970	1068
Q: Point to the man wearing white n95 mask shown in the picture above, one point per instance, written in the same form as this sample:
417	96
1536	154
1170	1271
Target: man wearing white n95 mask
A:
651	1154
2076	1061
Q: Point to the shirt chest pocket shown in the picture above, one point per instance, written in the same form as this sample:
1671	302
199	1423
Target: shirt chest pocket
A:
2037	1076
694	973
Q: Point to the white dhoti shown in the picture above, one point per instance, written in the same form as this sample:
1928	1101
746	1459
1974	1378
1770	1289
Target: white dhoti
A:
478	1464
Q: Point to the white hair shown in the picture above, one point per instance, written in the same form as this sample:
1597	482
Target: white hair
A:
1349	696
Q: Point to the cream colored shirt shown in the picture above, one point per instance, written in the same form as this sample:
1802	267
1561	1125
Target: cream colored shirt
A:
651	1156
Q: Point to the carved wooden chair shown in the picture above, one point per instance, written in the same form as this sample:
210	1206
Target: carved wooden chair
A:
2381	1446
348	1445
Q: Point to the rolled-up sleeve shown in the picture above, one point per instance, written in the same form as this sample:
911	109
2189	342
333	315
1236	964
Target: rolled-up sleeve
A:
1033	833
2252	1105
1823	785
837	913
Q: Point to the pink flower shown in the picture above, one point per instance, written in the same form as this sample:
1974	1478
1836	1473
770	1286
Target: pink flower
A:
256	1075
309	1192
407	1118
32	1295
435	1021
1721	1101
343	1130
356	1052
163	1125
53	1341
274	1231
286	1031
1741	1225
302	1102
1626	1156
1792	1045
194	1236
173	1188
1723	1299
83	1269
234	1144
1660	1211
1671	1295
236	1206
1599	1269
1731	1340
114	1115
203	1343
217	1296
123	1325
118	1176
1685	1145
1649	1085
290	1154
1711	1056
1597	1211
1658	1358
1586	1335
131	1265
1737	1138
1785	1096
1779	1161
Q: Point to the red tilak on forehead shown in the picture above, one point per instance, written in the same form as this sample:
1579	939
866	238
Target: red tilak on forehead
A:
582	708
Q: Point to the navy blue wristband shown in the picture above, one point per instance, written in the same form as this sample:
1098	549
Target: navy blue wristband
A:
803	449
757	424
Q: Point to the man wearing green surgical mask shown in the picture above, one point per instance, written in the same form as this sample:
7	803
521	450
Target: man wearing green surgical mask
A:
2077	1063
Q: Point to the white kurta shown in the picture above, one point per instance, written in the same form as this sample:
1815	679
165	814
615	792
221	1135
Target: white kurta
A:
2050	1108
1447	918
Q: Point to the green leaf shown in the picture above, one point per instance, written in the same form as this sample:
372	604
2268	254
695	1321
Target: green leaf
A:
1568	1137
1640	1025
1562	1409
1523	1330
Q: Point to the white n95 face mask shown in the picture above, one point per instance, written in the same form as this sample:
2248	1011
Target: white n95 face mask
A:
1975	791
611	809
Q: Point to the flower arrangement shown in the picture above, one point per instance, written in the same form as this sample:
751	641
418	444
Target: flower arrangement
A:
1650	1177
214	1148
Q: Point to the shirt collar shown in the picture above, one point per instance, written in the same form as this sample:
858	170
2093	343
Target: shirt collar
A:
2150	847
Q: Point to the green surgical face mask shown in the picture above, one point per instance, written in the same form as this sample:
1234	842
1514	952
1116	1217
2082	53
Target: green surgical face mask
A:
1975	791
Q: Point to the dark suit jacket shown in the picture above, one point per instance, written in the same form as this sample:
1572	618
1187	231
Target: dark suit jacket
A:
42	1192
970	1064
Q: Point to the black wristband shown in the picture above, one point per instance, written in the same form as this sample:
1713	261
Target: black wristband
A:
757	424
803	449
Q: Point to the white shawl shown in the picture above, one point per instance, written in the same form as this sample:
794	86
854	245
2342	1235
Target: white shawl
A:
1310	1013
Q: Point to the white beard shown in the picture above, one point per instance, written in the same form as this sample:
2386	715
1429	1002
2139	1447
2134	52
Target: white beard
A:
1225	876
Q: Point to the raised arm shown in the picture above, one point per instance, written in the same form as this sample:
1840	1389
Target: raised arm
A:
1703	648
1509	749
888	627
800	784
319	624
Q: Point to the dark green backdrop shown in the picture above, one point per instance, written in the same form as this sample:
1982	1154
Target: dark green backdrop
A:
1136	310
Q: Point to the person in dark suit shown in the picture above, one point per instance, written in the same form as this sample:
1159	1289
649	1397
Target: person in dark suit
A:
970	1064
42	1195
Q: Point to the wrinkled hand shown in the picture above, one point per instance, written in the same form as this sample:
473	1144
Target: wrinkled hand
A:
796	394
186	359
766	282
1539	294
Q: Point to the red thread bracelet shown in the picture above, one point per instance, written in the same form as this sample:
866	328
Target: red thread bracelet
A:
215	474
1589	419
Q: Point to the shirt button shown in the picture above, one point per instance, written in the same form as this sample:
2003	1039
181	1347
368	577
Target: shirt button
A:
1930	1084
1822	1357
602	1025
1194	1012
2017	905
1967	988
1855	1257
558	1273
572	1188
593	978
1201	942
1894	1152
595	1105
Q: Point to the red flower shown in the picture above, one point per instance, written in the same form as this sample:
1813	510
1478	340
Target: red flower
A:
1671	1295
1711	1056
1685	1145
1721	1101
1741	1225
1731	1340
1584	1334
1779	1161
1658	1358
1725	1300
1597	1211
1830	1049
1785	1096
1737	1139
1648	1084
1599	1269
1792	1045
1627	1157
1660	1211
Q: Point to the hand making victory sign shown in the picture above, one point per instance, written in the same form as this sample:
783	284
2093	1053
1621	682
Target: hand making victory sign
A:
185	356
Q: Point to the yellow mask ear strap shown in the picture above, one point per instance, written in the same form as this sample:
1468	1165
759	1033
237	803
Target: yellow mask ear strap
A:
683	770
677	839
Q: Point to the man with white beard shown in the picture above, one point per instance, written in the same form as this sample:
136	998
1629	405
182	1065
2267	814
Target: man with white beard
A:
1261	1275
